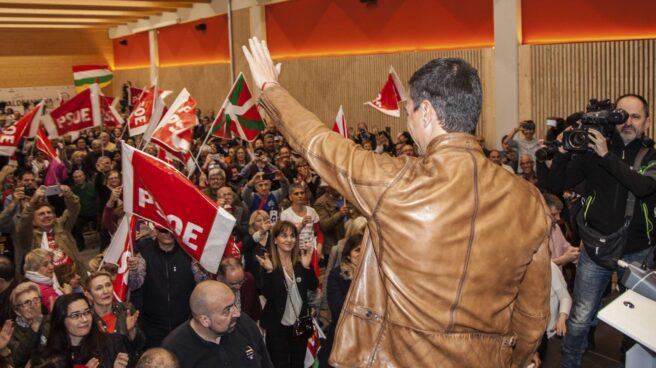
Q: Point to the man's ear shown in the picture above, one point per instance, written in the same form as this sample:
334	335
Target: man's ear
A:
204	321
428	113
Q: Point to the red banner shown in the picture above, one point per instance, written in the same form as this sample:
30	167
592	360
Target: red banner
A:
202	230
79	113
24	127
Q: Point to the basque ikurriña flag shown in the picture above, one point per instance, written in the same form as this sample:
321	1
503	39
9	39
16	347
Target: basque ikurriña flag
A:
238	117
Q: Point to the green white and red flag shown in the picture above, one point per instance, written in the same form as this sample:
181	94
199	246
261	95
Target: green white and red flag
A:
238	117
86	75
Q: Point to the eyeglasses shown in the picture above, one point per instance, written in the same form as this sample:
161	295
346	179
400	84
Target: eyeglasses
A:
77	315
29	303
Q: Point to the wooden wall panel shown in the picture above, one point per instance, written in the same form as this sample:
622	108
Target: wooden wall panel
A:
322	84
563	77
139	78
207	84
31	58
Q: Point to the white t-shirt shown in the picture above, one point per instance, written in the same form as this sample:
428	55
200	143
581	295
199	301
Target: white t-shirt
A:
306	237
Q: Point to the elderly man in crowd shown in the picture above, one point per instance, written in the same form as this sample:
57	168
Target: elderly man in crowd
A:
39	227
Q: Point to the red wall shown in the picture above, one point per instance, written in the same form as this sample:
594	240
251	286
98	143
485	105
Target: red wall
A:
182	44
562	21
133	55
302	28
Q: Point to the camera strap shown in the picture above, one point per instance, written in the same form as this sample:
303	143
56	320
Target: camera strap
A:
289	297
630	201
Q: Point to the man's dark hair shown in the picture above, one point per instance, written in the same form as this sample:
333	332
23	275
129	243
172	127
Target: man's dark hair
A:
453	88
645	104
7	268
23	173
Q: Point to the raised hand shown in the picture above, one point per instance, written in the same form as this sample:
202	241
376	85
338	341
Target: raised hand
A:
121	360
5	333
265	262
259	60
131	323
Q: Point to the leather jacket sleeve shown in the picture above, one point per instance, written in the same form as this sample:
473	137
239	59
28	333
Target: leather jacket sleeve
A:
531	310
344	165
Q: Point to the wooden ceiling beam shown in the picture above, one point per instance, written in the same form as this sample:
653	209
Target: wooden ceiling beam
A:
108	3
77	12
28	20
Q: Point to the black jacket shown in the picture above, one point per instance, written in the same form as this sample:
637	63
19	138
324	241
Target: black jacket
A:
167	286
276	294
608	181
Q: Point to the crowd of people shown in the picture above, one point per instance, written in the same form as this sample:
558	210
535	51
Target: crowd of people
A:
291	256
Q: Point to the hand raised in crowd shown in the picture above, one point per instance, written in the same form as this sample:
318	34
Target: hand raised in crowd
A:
93	363
265	262
307	220
131	324
266	226
259	60
258	177
66	288
5	333
133	263
279	176
598	142
39	194
65	191
121	360
36	323
306	257
19	193
115	196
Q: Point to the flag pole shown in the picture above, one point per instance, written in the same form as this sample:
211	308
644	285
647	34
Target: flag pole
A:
207	136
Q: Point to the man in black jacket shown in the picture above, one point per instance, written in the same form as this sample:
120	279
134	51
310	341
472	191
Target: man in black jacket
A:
162	276
218	335
608	174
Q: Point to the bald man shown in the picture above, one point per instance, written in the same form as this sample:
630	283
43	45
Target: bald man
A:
157	358
218	334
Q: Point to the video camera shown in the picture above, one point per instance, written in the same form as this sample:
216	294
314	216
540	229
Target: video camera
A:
599	115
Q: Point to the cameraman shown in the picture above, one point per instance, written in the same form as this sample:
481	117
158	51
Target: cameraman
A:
606	169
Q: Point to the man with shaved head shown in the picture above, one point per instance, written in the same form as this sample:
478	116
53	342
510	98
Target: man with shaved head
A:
157	358
217	334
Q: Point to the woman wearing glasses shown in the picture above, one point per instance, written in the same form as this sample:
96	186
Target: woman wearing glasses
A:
31	327
74	333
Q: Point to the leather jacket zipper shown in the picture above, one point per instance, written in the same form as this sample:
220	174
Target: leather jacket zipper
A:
472	234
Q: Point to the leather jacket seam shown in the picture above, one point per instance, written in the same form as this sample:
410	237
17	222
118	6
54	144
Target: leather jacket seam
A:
472	235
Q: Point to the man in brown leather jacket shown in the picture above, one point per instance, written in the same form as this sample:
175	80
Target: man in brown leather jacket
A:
447	278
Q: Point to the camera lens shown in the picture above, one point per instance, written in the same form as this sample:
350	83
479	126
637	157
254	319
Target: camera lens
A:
578	139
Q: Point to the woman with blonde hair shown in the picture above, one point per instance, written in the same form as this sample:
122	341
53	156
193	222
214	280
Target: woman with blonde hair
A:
40	270
256	241
31	327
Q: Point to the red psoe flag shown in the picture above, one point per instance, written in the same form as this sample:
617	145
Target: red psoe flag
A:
110	117
201	228
340	124
174	132
120	250
134	95
390	95
24	127
43	144
79	113
147	112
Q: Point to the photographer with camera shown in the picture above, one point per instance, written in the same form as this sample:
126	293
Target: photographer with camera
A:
616	220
